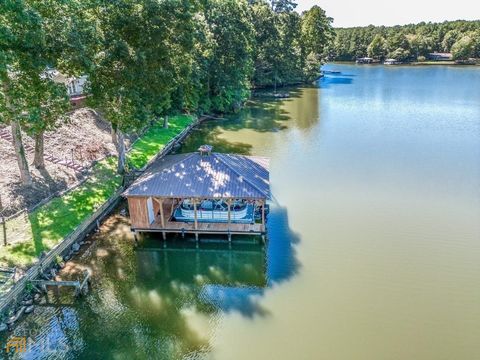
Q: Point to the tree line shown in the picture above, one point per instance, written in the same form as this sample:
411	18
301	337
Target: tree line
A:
148	58
409	42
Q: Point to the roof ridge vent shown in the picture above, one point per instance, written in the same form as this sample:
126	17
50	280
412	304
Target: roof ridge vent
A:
205	150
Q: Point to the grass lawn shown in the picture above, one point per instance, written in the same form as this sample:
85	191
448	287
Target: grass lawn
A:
155	139
45	227
50	223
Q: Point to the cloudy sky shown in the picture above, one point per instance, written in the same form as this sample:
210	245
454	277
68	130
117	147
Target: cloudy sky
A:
385	12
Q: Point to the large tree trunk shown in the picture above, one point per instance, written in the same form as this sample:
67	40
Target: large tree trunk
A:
20	152
38	160
119	141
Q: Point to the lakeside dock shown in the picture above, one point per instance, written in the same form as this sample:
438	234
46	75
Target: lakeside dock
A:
202	193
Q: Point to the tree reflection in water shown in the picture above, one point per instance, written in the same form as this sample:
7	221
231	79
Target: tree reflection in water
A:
159	303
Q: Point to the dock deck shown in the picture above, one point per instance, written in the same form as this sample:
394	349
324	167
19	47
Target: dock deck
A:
188	227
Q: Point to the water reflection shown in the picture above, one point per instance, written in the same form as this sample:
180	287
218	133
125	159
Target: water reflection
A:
156	302
229	277
378	249
214	277
249	131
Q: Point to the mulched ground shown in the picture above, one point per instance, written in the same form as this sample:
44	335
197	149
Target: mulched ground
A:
85	138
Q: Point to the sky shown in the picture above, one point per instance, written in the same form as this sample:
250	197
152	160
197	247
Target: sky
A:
387	12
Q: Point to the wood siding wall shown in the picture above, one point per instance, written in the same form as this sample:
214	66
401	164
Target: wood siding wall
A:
138	212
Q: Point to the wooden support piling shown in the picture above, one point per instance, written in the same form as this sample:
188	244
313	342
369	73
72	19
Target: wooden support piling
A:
229	202
263	216
195	215
173	207
162	219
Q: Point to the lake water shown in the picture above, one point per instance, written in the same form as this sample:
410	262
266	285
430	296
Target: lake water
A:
373	249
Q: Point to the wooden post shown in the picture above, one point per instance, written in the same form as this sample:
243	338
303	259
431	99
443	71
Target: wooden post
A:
263	216
4	224
229	202
162	220
173	207
196	221
195	213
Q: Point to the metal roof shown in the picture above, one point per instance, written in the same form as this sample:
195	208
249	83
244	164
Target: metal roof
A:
205	176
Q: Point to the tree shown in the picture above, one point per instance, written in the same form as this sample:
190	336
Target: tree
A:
21	39
287	44
47	103
117	79
143	63
377	48
464	48
283	5
317	31
32	42
291	57
266	51
422	38
449	39
398	47
230	61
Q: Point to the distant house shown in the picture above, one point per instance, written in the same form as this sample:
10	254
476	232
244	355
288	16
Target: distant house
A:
75	86
364	60
437	56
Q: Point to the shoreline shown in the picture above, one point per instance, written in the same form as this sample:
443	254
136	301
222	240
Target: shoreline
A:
426	63
69	248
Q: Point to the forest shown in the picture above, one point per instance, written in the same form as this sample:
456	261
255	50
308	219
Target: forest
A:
148	58
408	42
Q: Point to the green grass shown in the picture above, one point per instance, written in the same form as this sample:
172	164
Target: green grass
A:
50	223
155	139
45	227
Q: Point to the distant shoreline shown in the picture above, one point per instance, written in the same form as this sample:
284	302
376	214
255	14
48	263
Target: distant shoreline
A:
424	63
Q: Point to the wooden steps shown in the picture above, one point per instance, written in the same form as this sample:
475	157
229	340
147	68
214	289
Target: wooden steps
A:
5	134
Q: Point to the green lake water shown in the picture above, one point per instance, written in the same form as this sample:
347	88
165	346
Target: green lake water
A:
373	250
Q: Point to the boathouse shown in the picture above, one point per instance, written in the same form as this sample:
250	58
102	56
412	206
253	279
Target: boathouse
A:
364	60
392	62
202	193
438	56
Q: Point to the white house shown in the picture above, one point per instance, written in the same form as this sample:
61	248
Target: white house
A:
75	86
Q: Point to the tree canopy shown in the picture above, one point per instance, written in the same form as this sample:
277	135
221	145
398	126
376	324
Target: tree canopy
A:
149	58
408	42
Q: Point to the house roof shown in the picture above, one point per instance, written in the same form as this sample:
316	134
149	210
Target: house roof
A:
205	176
